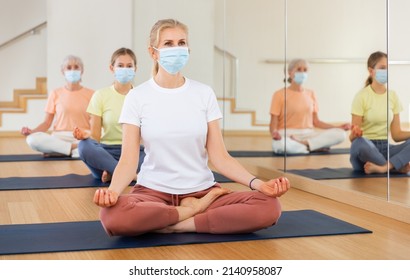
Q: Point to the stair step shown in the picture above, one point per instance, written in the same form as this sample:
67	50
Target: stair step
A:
21	97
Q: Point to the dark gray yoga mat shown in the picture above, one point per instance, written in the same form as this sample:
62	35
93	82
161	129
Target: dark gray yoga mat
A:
32	157
335	151
339	173
40	157
89	235
66	181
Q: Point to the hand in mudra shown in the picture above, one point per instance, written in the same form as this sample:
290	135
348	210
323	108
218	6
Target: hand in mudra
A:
105	198
275	187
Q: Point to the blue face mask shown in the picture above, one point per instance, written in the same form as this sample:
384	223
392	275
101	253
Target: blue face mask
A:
381	76
124	75
173	59
300	77
72	76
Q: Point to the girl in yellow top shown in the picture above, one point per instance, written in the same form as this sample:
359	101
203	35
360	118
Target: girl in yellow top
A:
375	112
101	149
65	110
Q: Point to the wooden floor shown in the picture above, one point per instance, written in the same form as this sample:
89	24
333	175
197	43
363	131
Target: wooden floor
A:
390	239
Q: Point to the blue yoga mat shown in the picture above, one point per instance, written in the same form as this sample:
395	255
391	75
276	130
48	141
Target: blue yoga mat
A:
66	181
339	173
89	235
337	151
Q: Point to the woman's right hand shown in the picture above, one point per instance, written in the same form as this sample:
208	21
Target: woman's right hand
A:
276	135
105	198
25	131
356	132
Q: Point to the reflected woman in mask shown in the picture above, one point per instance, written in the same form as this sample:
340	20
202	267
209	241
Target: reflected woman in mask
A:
178	120
65	109
294	111
372	107
100	149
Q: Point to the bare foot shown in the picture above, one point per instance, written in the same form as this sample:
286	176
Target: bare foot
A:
189	207
327	149
54	155
370	167
199	205
303	142
187	225
106	177
405	169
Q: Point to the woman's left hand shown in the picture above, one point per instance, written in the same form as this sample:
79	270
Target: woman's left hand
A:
275	187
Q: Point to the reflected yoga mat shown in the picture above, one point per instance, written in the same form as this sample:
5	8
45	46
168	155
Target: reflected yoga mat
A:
339	173
89	235
66	181
337	151
32	157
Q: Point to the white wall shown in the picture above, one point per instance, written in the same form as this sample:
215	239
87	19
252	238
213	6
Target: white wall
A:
91	29
23	60
200	21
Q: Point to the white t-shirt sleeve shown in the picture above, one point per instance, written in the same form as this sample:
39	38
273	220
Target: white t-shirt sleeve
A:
214	113
130	112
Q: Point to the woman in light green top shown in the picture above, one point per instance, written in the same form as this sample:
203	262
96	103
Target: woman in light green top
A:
101	149
375	112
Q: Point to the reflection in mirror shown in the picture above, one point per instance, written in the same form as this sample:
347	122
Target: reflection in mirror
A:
247	33
336	40
398	72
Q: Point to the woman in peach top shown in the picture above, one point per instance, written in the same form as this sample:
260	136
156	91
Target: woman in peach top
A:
300	116
65	110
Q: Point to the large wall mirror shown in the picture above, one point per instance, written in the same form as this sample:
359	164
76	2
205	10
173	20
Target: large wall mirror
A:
399	70
248	34
259	37
336	40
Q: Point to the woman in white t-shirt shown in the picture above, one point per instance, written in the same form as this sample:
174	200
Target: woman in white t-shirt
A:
178	121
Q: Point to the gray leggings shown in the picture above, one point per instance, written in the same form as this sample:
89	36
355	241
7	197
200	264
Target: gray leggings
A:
363	150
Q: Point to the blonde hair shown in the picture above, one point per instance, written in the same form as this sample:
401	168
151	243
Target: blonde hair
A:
373	59
74	58
123	51
155	33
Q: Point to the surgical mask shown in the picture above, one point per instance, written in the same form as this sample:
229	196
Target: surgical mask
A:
72	76
381	76
173	59
124	75
300	77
